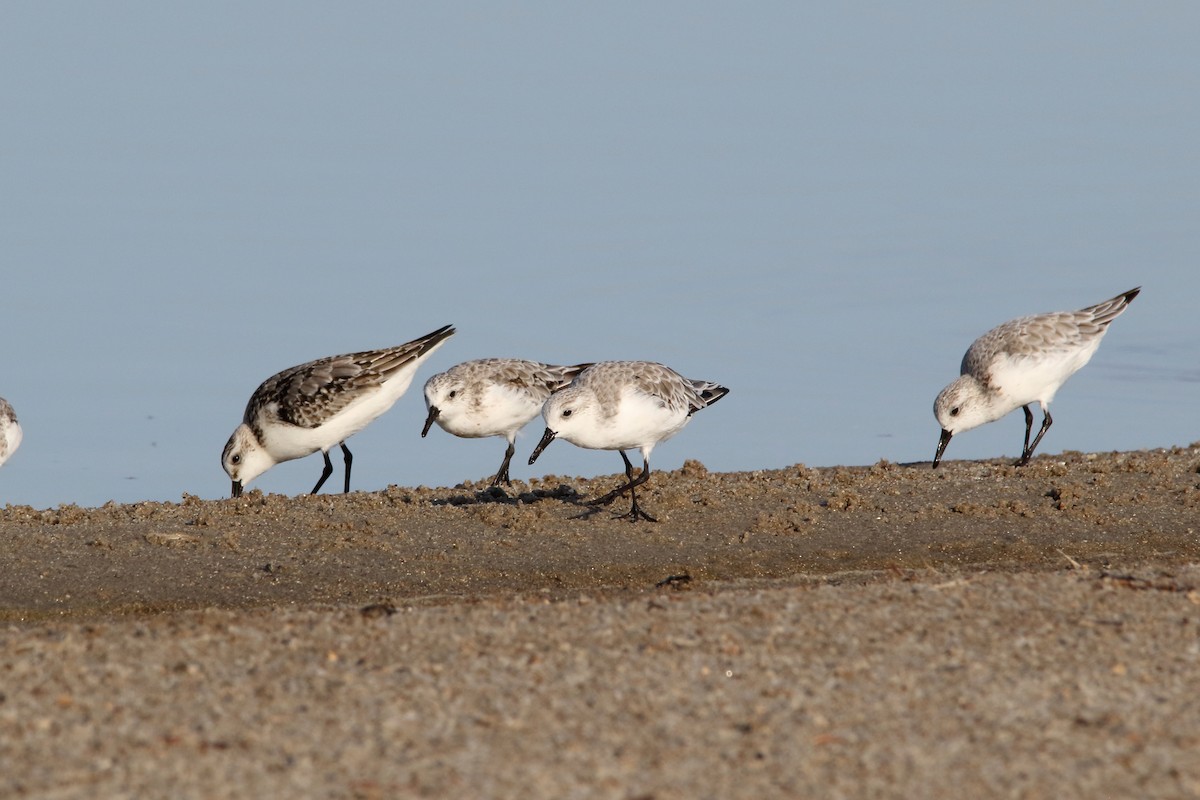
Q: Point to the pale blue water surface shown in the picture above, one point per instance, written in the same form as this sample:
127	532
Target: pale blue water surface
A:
819	207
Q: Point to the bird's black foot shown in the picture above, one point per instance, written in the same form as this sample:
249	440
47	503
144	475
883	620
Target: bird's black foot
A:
636	513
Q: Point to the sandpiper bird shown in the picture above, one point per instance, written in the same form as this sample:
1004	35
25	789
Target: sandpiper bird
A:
492	397
316	405
620	405
1022	361
10	431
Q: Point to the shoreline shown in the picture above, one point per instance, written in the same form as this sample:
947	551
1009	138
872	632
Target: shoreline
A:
881	631
404	543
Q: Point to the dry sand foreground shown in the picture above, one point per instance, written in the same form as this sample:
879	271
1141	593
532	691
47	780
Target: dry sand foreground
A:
886	631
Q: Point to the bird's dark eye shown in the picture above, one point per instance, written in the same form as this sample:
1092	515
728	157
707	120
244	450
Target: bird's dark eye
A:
566	412
451	395
954	411
237	459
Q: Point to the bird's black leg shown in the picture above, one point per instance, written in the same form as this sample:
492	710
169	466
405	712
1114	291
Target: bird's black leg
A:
349	459
1046	423
635	512
620	490
325	473
1028	428
502	474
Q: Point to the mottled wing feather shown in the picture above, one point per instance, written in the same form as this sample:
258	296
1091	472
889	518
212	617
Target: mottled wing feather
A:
1020	338
561	377
535	375
308	394
523	375
530	376
674	390
1037	335
390	360
661	383
1106	312
708	393
654	380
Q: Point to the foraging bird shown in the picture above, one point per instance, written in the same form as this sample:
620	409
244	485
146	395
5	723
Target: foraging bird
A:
1020	362
316	405
492	397
620	405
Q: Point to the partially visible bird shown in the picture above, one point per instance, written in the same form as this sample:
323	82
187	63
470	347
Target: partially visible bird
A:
10	431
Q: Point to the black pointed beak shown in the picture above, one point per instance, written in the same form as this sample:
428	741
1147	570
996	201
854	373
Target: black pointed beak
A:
237	488
433	415
547	438
942	442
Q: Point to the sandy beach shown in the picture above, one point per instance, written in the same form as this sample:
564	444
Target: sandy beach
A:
878	631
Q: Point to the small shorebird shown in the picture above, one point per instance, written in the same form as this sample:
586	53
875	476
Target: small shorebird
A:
10	431
316	405
620	405
1020	362
492	397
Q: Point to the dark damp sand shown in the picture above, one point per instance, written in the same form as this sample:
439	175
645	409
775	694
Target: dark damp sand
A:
884	631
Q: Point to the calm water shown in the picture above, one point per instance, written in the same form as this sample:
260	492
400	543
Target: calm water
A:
819	208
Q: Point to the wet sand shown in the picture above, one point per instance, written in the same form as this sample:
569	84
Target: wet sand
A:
887	631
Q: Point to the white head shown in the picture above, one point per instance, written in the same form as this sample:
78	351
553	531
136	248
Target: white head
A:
963	405
244	459
570	413
444	397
